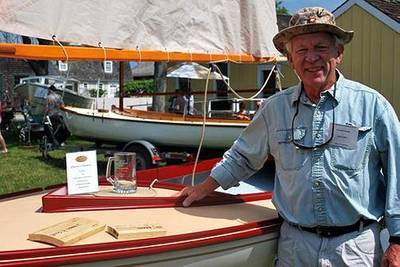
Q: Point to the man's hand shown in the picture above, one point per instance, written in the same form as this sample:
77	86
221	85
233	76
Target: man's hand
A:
198	192
391	258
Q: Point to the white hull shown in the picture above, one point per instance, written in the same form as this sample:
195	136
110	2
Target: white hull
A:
112	127
254	252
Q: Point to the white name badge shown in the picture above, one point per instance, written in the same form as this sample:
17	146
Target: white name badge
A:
82	172
345	136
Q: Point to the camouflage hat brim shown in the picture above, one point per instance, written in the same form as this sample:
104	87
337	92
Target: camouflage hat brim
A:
284	36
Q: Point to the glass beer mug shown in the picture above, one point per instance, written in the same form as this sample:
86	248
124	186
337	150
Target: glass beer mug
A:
124	178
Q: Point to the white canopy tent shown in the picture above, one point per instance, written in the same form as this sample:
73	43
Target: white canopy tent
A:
178	30
192	70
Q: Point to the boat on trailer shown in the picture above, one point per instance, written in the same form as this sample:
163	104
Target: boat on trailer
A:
224	229
158	128
33	90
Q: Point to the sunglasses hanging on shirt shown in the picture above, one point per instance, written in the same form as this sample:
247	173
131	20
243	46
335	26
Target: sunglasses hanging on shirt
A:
301	146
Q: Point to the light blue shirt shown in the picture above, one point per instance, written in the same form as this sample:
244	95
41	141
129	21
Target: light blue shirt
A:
330	185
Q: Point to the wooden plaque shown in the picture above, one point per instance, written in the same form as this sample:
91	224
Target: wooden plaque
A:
67	232
135	231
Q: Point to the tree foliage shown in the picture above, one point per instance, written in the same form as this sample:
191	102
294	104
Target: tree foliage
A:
280	9
139	86
93	92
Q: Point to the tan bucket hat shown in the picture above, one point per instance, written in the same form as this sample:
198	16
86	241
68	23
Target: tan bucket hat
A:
309	20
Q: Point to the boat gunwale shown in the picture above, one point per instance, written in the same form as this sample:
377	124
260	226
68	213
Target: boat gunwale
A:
54	202
186	123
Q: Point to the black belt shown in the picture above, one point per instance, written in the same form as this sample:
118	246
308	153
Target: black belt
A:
330	231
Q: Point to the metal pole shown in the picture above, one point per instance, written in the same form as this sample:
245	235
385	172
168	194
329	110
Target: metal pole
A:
121	85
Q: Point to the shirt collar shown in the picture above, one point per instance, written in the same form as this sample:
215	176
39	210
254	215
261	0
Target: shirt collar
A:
296	93
339	85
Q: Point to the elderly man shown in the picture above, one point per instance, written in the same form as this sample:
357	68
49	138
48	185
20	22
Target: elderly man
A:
336	146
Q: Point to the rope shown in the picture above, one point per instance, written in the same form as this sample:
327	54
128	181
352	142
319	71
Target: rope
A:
54	37
63	48
239	96
167	54
104	62
140	53
203	129
104	50
152	183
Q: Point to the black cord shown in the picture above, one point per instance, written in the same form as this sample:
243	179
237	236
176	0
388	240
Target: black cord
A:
297	112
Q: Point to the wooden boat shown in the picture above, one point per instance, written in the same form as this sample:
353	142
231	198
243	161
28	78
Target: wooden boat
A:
221	230
159	128
33	91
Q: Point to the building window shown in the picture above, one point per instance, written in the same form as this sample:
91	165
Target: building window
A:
263	73
222	90
62	66
108	66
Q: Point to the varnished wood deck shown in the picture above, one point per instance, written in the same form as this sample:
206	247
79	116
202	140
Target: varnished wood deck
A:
174	116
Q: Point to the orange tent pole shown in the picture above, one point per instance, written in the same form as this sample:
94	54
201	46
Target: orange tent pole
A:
75	53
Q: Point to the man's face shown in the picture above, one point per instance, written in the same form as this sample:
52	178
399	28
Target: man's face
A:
314	57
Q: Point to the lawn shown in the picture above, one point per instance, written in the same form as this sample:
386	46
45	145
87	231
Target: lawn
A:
24	167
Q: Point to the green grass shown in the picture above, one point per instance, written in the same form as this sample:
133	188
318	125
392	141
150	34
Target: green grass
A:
24	167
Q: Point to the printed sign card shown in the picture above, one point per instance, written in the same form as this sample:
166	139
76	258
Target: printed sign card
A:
82	175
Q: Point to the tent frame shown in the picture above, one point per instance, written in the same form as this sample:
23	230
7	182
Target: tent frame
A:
76	53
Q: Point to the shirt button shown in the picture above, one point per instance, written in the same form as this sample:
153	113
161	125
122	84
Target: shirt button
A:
320	209
318	135
316	184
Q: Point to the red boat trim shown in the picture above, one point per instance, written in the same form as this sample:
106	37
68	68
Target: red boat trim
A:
175	170
65	203
59	201
132	248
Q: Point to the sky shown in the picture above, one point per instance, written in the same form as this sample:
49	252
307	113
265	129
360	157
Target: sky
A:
294	5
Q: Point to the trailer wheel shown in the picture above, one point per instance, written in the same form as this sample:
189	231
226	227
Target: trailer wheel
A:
143	158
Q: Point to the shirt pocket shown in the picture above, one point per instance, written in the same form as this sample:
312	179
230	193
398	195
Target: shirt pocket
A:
290	158
353	159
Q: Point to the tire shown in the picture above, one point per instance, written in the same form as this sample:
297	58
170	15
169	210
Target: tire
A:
143	158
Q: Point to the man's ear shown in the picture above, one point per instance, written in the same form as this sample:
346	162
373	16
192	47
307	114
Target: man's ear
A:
340	53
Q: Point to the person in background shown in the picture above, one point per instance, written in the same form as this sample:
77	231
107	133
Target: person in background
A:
2	141
173	102
185	100
53	110
336	145
54	103
242	114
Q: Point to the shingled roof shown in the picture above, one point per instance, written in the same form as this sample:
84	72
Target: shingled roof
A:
389	7
387	11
